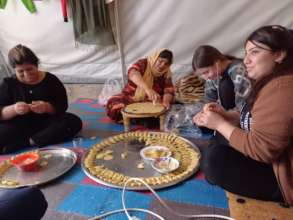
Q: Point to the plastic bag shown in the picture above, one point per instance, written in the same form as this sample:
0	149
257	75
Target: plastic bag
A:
111	87
4	68
179	120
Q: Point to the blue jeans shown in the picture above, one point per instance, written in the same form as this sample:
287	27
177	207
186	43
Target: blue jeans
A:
22	204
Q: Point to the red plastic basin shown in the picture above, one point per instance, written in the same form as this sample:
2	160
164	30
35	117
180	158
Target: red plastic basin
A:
26	162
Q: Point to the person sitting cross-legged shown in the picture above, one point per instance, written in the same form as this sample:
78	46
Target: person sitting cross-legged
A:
33	105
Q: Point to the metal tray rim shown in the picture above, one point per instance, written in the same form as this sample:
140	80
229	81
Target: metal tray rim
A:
142	188
72	154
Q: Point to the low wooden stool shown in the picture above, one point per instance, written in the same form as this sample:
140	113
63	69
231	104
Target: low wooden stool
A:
143	110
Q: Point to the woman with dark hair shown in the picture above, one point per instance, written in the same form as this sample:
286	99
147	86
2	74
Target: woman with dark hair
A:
148	79
258	163
225	76
33	105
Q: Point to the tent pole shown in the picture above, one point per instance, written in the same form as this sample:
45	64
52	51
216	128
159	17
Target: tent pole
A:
119	43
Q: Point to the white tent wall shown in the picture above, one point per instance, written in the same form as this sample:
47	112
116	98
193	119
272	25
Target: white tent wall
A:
52	40
182	25
145	25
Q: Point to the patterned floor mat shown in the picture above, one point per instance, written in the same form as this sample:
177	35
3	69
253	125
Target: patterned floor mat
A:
77	197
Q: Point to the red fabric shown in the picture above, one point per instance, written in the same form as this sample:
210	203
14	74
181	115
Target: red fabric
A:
64	10
113	107
161	85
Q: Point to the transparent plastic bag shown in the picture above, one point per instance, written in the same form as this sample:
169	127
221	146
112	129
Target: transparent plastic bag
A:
111	87
174	118
179	120
4	68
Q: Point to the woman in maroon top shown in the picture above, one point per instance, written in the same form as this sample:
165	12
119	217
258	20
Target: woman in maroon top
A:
148	79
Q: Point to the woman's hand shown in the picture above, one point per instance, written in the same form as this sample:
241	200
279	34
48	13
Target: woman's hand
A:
21	108
166	104
214	107
231	115
209	119
39	107
152	95
167	100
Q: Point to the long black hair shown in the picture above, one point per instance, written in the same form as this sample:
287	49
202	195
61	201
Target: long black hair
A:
206	55
167	54
277	38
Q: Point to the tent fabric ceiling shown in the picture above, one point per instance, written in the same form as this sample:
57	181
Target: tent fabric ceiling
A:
145	26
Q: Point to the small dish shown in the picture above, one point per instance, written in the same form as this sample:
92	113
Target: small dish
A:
26	161
152	153
165	164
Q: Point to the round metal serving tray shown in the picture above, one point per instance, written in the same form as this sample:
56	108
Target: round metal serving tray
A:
54	162
128	167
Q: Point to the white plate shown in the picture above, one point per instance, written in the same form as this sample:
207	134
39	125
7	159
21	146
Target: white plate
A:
165	164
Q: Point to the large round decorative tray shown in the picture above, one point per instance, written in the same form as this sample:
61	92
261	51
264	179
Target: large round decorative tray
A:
116	159
54	161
